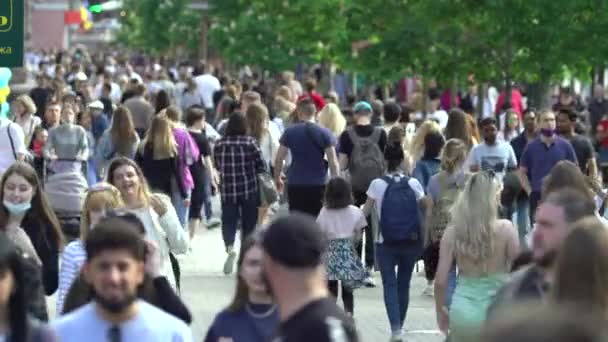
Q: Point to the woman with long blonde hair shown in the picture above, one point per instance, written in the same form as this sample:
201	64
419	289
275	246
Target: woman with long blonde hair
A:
416	147
257	128
483	248
331	118
157	157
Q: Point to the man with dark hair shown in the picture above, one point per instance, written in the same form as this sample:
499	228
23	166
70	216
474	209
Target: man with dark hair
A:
115	269
310	93
566	127
555	218
309	144
296	277
492	154
392	115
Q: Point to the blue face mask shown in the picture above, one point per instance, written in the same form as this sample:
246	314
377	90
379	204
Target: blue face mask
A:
17	209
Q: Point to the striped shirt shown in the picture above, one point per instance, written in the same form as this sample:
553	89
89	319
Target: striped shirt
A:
72	260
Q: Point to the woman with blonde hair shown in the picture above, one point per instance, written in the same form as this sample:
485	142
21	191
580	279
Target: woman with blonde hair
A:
331	118
155	211
483	248
257	127
157	157
416	147
99	199
443	189
120	139
23	110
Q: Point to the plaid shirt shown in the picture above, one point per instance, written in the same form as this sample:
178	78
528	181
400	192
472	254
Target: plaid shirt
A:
238	160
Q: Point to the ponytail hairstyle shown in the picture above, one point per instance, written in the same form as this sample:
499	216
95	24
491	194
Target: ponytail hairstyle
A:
453	155
393	155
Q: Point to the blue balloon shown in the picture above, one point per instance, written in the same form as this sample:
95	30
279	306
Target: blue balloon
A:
4	108
5	76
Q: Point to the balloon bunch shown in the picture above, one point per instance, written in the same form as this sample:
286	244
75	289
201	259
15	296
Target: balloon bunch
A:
5	76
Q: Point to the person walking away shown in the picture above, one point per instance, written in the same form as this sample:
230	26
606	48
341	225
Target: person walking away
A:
483	248
239	161
190	96
195	120
120	139
141	110
12	144
430	162
443	189
297	280
310	85
361	156
253	315
309	146
539	157
207	84
397	200
115	269
342	223
585	154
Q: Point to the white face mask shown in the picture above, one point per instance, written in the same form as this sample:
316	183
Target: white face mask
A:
17	209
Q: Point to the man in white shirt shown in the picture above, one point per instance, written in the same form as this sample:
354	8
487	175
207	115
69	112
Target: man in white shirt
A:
207	84
115	270
12	144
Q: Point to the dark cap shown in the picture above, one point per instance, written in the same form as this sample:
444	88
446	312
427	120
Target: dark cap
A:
295	241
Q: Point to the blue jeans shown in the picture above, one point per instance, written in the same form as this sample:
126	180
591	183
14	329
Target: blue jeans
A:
181	209
396	286
451	285
523	218
244	209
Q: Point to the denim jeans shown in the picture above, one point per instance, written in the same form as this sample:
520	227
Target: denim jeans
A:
208	210
523	218
244	209
396	286
181	209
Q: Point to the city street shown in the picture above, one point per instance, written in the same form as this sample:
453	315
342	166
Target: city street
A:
206	290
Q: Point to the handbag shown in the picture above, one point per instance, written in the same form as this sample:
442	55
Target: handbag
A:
268	190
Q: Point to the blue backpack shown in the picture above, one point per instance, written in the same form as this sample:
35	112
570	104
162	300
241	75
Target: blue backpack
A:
400	215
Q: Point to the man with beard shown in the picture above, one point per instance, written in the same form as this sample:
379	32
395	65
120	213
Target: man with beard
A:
555	218
566	127
492	155
115	269
293	265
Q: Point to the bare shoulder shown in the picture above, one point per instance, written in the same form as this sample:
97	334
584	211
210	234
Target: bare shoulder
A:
505	227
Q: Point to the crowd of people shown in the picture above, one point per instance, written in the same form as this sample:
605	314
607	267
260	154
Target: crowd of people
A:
505	209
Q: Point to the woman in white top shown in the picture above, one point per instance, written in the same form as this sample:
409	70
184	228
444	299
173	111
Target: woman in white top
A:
258	127
154	210
23	110
100	198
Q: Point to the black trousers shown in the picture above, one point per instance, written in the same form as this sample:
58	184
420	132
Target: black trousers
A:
534	202
431	260
347	295
360	198
306	199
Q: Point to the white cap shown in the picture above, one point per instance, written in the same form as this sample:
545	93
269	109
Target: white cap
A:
96	105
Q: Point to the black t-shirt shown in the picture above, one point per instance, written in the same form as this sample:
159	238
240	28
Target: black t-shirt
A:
40	96
319	321
583	150
346	145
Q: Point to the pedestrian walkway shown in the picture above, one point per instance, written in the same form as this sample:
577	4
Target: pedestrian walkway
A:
206	291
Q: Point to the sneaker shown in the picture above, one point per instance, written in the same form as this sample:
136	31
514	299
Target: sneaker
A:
397	337
213	223
229	263
429	291
369	282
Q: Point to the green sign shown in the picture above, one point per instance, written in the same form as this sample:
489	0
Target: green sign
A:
11	33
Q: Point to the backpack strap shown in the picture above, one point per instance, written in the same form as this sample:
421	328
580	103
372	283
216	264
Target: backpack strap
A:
376	134
10	138
354	137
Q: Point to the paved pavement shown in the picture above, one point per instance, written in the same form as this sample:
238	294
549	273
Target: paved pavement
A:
206	290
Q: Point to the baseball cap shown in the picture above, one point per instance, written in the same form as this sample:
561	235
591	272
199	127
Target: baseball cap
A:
295	241
96	105
362	106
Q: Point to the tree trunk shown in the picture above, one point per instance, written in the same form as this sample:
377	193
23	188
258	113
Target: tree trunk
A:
454	91
425	95
508	91
481	97
539	94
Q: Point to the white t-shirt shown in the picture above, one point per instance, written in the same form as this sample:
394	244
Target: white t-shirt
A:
207	85
150	324
378	187
441	116
341	223
7	157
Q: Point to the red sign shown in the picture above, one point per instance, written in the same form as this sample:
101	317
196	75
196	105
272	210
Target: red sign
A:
72	18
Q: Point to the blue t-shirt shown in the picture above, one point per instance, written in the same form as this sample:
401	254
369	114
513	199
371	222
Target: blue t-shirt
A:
539	159
499	158
307	143
150	324
241	326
